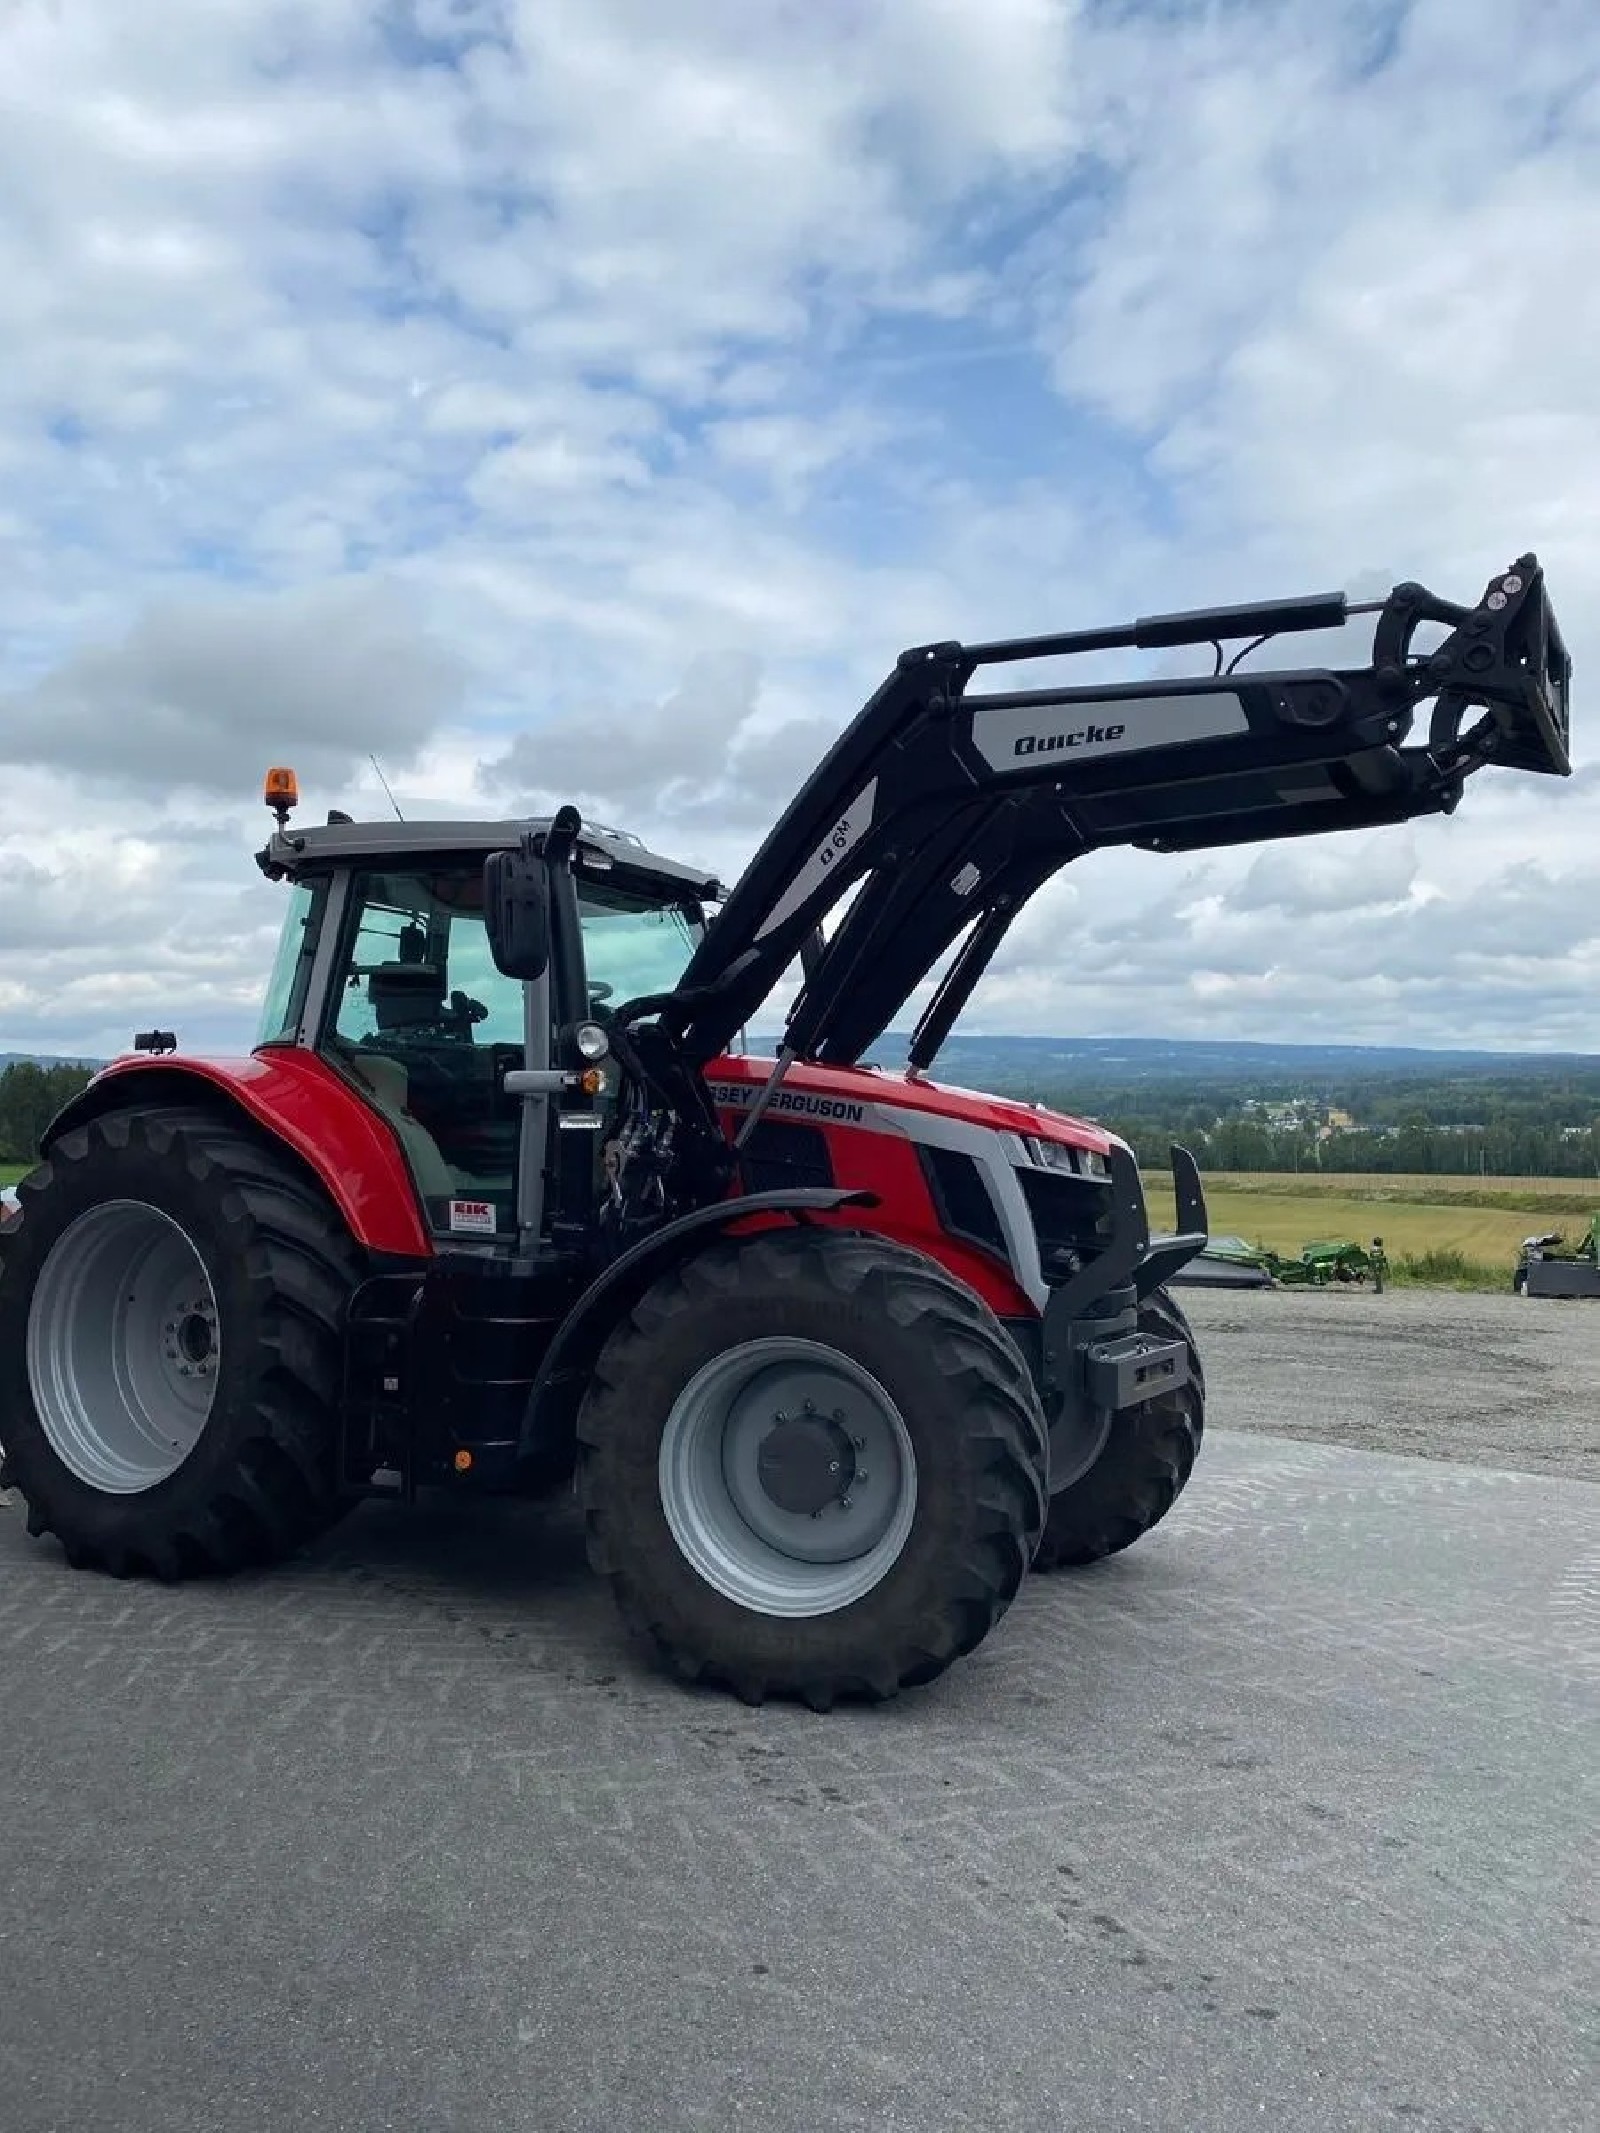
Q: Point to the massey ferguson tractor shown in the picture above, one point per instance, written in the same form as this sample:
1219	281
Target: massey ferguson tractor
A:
831	1354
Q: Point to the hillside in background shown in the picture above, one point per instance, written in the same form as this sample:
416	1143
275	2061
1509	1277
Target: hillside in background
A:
1305	1107
1124	1063
1240	1107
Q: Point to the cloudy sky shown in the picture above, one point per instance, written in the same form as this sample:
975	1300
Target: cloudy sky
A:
588	398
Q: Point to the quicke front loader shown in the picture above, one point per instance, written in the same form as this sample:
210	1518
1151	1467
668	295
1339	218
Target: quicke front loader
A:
831	1354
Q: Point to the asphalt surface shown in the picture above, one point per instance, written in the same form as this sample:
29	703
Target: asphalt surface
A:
1283	1819
1508	1381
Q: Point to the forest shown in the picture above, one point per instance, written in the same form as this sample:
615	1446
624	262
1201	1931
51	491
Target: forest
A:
1244	1107
31	1093
1521	1125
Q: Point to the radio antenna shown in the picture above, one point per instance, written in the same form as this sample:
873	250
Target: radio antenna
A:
384	782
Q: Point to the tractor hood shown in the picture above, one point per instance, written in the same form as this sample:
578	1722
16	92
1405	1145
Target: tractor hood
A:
944	810
843	1095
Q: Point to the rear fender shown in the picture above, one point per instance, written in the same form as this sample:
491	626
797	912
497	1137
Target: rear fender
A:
303	1104
573	1353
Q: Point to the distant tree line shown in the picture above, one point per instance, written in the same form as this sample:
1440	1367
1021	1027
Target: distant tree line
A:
1483	1125
30	1096
1491	1125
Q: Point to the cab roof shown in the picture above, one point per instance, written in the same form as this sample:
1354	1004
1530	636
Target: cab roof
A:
313	848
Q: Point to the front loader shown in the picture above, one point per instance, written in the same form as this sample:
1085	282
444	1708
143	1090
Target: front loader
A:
499	1201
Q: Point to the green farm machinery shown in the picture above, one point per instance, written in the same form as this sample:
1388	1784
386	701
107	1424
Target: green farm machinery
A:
1550	1266
1235	1263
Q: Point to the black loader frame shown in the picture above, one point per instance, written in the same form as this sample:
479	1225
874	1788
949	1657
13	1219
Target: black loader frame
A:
950	808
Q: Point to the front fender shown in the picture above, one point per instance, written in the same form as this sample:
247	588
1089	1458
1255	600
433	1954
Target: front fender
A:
301	1102
575	1349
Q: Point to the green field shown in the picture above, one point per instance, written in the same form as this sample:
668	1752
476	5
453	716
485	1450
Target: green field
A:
1462	1231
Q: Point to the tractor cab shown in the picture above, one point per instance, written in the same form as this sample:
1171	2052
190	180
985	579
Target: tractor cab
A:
386	969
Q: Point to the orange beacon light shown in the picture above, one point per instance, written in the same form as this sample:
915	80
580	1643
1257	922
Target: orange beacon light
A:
281	791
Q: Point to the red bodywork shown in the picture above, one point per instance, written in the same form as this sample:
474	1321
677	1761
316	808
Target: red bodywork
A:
298	1097
842	1101
872	1085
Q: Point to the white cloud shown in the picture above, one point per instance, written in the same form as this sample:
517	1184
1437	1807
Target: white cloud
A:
1329	874
320	675
589	399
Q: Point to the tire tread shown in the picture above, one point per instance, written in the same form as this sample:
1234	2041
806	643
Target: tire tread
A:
280	1488
1144	1469
1003	1437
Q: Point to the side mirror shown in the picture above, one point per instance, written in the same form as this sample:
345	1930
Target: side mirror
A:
516	913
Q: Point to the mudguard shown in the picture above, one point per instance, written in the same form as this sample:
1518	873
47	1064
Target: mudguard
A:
300	1101
582	1334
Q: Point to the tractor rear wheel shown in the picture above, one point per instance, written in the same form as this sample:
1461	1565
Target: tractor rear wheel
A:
171	1308
812	1465
1141	1469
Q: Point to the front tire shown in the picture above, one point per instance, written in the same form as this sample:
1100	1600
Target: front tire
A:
171	1318
1143	1467
812	1465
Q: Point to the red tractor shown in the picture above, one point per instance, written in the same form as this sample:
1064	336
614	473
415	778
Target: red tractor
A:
833	1353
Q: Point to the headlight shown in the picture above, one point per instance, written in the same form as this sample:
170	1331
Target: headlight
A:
1062	1161
592	1042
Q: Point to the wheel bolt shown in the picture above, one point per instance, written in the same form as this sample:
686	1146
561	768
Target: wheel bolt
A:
833	1466
844	1503
862	1474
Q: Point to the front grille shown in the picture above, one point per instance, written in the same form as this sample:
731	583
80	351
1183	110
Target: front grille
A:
1071	1218
961	1198
781	1153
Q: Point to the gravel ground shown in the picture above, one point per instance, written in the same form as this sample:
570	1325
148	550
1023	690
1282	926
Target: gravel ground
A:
1499	1381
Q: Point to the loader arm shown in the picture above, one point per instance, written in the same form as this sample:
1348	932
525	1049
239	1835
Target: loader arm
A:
947	808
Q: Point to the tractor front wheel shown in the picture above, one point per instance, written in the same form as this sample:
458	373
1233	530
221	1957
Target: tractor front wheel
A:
171	1308
812	1465
1142	1467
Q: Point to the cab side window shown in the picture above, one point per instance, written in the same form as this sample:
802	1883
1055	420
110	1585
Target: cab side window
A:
426	1026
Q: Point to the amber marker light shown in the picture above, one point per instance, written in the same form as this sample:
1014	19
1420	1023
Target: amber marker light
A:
281	791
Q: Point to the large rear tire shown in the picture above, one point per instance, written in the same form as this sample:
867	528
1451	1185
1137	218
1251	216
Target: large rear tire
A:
171	1319
812	1465
1143	1467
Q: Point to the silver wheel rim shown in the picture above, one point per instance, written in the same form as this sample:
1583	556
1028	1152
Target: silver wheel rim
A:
718	1443
123	1347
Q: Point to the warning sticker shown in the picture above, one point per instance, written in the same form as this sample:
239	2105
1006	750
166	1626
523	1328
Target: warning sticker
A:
476	1216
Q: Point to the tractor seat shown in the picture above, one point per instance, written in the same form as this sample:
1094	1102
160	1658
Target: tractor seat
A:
406	995
387	1081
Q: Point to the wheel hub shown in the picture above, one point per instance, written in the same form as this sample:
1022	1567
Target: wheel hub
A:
123	1347
807	1462
189	1338
787	1476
